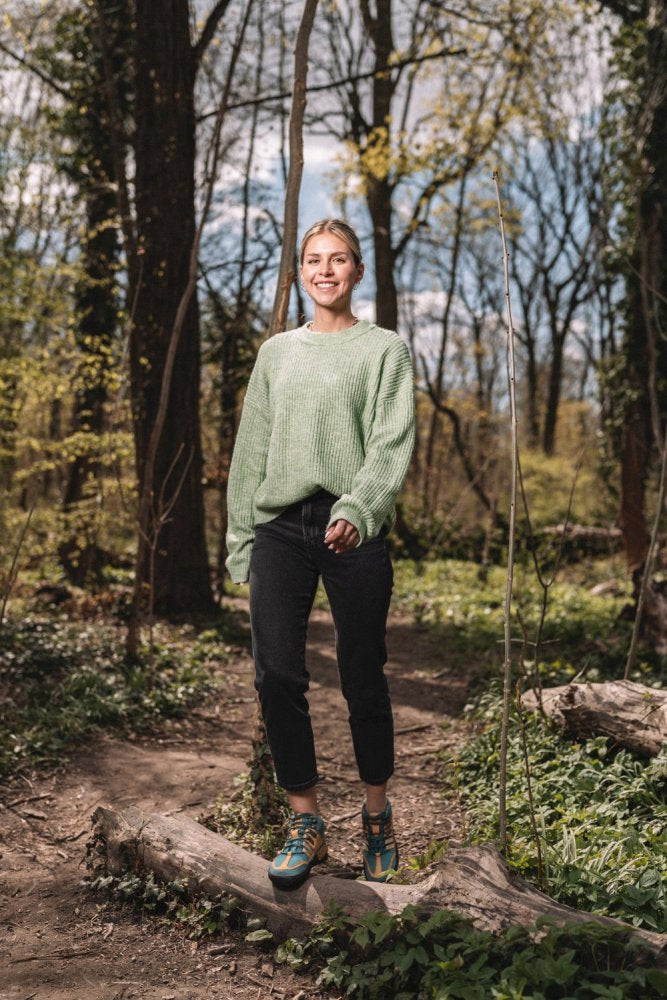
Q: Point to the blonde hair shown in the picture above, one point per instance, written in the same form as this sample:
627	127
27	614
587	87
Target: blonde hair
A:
338	228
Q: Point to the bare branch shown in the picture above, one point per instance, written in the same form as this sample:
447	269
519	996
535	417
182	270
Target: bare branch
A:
37	71
208	31
334	84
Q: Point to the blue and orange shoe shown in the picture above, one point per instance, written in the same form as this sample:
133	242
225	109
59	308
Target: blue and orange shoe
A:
305	847
381	855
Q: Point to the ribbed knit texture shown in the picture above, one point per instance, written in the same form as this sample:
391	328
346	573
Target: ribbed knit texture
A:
322	410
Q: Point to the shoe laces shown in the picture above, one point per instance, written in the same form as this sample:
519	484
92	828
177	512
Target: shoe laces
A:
301	827
377	841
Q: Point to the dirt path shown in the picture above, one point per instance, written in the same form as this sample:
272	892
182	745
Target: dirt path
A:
57	941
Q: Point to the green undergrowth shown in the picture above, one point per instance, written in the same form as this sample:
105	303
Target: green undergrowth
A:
409	956
464	614
61	680
414	956
201	916
600	813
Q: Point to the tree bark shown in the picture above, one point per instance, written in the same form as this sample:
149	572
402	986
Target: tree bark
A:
379	189
165	189
473	881
644	348
554	385
97	306
286	273
634	716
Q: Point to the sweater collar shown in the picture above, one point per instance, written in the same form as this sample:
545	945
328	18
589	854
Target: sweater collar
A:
335	337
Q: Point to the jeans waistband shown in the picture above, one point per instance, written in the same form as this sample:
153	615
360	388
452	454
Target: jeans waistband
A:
319	503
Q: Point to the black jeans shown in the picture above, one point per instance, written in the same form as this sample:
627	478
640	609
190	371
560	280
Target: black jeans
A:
288	556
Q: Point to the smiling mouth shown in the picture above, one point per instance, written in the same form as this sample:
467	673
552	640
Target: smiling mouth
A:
325	284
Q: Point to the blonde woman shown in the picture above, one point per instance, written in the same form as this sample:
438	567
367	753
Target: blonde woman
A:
322	450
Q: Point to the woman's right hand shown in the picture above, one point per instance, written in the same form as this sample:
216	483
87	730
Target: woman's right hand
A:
341	536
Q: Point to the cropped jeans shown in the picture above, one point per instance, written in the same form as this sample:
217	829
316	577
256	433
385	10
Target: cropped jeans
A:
288	557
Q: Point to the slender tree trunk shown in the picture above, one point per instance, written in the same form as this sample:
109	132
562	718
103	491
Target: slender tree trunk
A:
379	189
287	274
96	304
379	197
233	332
531	384
165	188
434	424
554	386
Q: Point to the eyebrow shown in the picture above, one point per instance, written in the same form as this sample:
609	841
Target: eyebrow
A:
318	253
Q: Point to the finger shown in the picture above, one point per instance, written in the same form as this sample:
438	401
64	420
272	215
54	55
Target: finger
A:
334	530
349	540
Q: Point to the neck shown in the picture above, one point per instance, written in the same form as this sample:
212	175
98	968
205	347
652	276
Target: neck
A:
326	321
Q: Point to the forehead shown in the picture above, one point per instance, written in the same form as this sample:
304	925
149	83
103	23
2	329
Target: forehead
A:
326	243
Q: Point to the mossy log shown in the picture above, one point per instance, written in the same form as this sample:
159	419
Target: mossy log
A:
634	716
472	881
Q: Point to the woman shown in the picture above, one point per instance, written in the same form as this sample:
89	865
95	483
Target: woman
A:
322	450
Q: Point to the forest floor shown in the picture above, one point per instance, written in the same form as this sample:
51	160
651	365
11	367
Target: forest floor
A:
58	938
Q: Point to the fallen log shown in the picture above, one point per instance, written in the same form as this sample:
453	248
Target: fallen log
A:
634	716
472	881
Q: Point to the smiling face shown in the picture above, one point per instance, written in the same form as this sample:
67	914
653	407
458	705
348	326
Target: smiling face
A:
329	272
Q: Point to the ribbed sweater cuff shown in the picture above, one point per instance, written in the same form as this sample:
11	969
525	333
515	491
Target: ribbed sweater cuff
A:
238	565
348	508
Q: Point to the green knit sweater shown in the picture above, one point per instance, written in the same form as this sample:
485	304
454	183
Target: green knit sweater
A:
331	410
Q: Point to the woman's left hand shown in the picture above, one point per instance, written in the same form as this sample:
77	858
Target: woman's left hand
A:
341	536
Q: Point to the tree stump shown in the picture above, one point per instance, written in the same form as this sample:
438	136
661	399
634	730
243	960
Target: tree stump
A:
634	716
472	881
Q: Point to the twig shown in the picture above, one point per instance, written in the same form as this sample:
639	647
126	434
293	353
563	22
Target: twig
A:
507	670
529	788
413	729
13	572
66	953
545	584
29	798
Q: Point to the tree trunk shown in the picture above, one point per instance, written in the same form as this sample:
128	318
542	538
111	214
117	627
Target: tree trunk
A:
165	155
286	272
379	189
379	195
97	307
644	348
531	388
635	716
472	881
554	385
635	447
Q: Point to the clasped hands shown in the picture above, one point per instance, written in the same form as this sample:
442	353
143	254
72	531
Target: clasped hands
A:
341	536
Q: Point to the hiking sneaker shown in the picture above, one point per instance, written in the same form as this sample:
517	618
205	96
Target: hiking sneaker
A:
305	846
382	853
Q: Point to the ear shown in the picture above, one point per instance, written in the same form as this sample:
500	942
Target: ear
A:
361	267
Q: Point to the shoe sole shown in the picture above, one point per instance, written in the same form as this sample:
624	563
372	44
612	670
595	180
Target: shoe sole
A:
294	881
